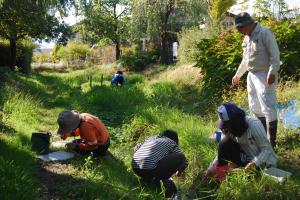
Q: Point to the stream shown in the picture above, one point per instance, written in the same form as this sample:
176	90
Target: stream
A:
289	114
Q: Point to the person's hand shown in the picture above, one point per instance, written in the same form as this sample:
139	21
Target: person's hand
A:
206	175
71	145
65	136
235	80
271	79
178	173
250	166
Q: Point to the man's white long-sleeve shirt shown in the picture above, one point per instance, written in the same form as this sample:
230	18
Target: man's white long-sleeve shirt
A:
260	52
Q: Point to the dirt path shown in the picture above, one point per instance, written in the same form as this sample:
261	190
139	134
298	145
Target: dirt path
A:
51	175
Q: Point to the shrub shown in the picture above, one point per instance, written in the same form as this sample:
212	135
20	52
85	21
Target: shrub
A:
220	56
41	58
138	60
287	35
73	52
188	42
24	54
218	59
4	52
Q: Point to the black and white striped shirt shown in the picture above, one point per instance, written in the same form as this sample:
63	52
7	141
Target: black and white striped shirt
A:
148	153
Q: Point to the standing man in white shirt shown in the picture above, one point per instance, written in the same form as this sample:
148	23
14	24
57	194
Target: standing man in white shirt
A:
262	60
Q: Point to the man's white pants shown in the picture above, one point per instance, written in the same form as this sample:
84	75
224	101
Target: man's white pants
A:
262	96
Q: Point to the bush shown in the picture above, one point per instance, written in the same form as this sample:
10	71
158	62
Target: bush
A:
42	58
218	59
287	35
4	52
138	60
24	54
220	56
189	40
73	52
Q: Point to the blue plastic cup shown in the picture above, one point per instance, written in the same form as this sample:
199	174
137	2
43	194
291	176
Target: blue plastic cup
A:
218	136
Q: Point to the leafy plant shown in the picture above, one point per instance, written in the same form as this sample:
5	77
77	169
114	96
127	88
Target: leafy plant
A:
138	60
73	52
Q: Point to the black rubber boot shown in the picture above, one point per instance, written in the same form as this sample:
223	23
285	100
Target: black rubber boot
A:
264	122
170	188
272	132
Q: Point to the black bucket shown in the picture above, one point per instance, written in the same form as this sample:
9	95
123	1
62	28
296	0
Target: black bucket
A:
40	142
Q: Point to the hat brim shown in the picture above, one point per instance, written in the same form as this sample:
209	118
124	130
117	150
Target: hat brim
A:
241	24
220	124
71	127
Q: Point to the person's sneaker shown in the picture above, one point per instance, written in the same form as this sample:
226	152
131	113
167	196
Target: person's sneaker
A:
170	188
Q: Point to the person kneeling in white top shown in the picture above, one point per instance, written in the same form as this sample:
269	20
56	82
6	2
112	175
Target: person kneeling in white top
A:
245	143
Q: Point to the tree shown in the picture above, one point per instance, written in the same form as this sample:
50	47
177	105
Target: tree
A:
30	18
271	8
217	8
104	19
156	19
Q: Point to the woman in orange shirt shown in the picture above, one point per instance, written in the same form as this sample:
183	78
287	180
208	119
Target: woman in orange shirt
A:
94	136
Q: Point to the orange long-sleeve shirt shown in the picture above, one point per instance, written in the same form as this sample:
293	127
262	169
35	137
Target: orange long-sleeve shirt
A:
92	131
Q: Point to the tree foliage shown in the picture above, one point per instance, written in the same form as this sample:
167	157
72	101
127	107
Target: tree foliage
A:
160	20
217	8
271	8
31	18
104	19
220	56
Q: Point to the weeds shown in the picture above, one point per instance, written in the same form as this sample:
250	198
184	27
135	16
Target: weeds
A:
131	113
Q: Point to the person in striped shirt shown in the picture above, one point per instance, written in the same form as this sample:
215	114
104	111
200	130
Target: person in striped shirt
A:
245	143
158	158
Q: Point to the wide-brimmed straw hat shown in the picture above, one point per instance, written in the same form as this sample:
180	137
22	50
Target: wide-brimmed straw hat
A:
68	121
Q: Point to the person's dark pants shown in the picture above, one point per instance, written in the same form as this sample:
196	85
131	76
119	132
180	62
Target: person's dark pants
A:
165	168
120	81
230	151
100	151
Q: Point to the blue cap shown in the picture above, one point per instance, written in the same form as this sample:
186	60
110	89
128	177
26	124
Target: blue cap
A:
228	111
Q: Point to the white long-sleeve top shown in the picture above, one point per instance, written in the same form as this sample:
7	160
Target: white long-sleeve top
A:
260	52
255	144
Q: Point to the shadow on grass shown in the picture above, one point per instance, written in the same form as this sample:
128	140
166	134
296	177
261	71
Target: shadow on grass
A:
58	69
104	178
112	104
17	177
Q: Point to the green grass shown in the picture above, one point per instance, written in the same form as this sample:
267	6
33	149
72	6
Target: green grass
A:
132	113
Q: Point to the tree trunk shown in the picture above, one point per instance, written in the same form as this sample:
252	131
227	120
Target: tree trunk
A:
164	57
164	49
13	54
118	50
116	29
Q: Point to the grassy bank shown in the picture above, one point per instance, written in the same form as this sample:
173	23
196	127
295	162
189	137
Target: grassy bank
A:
143	107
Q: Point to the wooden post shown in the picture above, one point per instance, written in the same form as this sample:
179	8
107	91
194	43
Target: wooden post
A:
91	80
101	82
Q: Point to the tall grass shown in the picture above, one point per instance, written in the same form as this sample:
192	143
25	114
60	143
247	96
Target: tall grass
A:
131	114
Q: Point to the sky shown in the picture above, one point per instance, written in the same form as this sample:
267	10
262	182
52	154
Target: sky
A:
72	19
249	6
